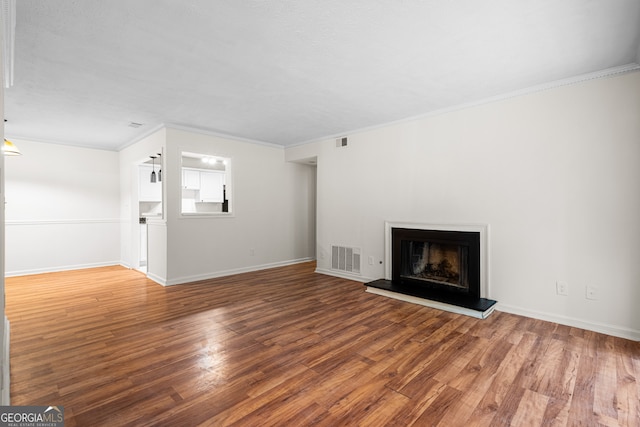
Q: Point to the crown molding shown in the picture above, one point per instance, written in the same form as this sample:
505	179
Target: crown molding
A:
609	72
141	136
220	135
18	137
197	130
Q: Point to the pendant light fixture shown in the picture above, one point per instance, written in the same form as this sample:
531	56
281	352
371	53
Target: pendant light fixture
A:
160	167
153	168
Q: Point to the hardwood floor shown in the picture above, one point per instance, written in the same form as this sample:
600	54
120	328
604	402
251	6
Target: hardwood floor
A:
290	347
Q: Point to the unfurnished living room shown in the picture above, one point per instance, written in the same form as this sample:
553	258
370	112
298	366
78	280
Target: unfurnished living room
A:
305	213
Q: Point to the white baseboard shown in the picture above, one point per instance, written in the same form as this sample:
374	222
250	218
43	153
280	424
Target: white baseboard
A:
602	328
616	331
216	274
344	275
613	330
60	268
159	280
5	392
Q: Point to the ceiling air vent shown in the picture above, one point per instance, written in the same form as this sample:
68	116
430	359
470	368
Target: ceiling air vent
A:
341	142
134	125
345	259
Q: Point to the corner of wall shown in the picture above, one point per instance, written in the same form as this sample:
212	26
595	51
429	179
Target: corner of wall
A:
5	383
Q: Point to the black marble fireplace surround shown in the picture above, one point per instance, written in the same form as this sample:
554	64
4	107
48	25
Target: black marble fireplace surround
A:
437	265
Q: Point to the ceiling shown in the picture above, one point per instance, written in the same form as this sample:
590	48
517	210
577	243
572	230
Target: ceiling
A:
292	71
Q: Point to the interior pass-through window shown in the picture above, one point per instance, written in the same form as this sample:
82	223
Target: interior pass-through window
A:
206	184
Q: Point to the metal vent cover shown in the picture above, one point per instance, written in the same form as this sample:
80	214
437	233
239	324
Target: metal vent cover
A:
345	258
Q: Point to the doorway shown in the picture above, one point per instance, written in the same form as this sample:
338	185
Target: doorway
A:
148	182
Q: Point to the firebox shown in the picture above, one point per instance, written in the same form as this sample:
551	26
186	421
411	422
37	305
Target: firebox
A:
441	266
437	262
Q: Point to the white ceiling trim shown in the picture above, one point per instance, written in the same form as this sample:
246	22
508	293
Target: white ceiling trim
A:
194	130
632	67
221	135
609	72
293	72
142	136
90	146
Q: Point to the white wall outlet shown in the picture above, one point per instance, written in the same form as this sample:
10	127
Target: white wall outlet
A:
370	260
252	252
592	292
562	288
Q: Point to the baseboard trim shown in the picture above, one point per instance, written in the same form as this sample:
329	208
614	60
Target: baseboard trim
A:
60	268
616	331
64	221
159	280
344	275
231	272
612	330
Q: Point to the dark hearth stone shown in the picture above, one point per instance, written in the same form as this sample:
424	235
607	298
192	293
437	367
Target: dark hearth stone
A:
477	304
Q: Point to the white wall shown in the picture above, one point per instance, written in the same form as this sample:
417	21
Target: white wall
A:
555	174
70	207
272	211
61	208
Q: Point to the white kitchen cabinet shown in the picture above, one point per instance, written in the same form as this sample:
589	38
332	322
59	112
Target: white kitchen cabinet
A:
191	179
148	191
211	186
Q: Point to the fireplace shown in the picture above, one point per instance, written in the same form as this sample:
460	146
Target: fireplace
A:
436	261
442	266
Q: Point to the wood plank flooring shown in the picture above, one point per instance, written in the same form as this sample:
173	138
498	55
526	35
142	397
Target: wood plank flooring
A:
288	347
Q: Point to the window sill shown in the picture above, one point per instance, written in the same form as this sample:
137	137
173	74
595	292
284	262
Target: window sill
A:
206	215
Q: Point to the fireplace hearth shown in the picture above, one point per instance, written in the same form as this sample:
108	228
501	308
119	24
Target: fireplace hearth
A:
441	266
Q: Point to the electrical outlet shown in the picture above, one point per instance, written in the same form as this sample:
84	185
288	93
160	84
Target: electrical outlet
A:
370	260
592	292
562	288
252	252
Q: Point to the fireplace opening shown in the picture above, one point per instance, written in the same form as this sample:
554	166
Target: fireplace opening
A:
441	267
435	262
439	263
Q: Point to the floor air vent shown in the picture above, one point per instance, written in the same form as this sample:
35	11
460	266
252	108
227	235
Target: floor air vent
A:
345	259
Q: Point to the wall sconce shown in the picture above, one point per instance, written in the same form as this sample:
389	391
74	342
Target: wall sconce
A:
10	149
